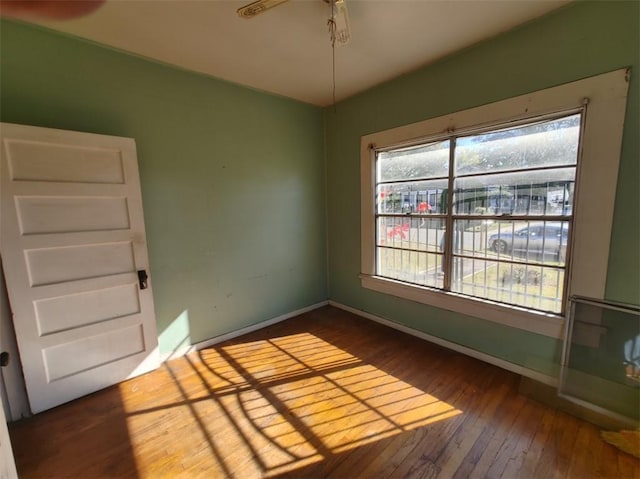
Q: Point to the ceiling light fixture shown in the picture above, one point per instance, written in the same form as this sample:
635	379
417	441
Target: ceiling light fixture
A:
338	23
340	31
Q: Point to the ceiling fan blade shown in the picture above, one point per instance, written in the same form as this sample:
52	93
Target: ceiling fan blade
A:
255	8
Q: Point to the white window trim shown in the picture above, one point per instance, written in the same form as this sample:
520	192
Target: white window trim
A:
606	96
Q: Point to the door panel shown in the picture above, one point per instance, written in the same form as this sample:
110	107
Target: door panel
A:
40	160
72	214
72	239
81	309
95	351
69	263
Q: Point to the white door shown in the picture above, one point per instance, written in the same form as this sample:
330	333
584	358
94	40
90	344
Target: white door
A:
72	240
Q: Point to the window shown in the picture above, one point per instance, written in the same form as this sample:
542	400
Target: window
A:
502	233
499	212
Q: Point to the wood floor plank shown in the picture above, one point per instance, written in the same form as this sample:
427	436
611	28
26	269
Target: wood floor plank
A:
554	461
357	460
326	394
579	464
493	434
628	466
458	449
608	465
422	459
540	436
511	454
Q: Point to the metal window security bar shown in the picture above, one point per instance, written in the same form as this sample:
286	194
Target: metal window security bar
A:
486	214
601	358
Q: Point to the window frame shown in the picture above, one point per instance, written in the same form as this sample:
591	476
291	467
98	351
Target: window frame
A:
452	214
603	98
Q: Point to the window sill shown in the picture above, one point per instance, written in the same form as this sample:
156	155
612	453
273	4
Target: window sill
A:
533	321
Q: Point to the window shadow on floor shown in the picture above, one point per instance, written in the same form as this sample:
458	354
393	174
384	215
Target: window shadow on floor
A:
325	393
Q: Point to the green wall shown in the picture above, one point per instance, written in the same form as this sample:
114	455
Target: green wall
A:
232	179
581	40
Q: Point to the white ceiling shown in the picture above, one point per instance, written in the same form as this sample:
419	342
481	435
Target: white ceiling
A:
287	51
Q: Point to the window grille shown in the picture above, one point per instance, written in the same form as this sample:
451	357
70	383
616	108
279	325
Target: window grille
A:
486	214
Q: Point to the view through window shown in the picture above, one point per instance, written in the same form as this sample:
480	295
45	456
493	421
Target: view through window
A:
486	214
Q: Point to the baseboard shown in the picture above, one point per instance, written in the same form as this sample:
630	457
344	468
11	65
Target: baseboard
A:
239	332
533	384
515	368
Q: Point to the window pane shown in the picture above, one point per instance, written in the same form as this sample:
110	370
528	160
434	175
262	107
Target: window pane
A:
530	286
411	266
414	197
395	232
519	241
421	234
545	143
533	192
424	161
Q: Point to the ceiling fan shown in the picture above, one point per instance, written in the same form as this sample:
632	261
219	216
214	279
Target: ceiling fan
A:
339	30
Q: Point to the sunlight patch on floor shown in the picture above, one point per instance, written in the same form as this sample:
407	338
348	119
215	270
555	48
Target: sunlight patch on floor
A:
280	404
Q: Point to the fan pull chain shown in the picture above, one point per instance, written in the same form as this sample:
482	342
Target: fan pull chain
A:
331	23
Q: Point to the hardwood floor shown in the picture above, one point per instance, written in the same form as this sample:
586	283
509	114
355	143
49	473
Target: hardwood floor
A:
326	394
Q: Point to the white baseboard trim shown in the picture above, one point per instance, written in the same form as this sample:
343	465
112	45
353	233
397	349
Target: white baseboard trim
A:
501	363
239	332
176	353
